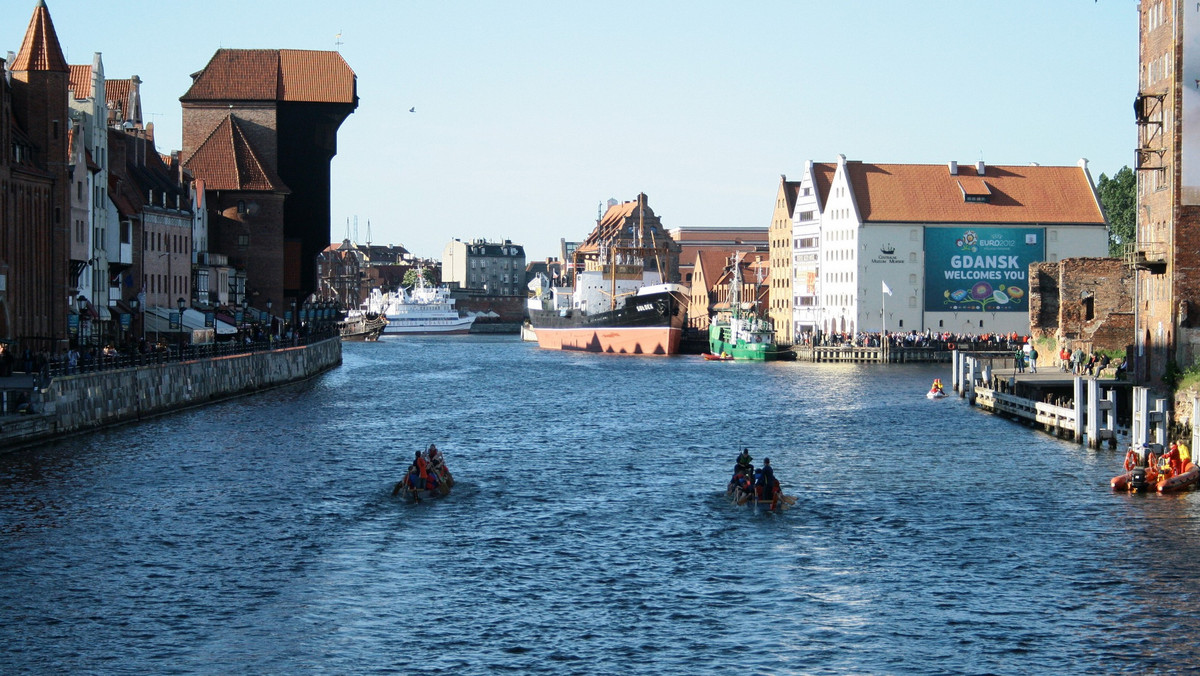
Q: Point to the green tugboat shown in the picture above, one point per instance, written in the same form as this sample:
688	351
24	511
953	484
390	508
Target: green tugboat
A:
743	335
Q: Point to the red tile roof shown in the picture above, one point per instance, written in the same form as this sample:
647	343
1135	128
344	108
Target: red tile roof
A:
40	50
791	190
81	81
274	75
226	160
822	175
712	263
117	93
929	193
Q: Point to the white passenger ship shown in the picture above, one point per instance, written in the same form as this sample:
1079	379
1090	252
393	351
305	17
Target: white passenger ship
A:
424	310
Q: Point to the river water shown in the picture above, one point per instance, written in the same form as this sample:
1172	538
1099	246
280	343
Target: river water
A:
588	532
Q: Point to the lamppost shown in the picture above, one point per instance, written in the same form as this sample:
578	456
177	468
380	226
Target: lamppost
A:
181	303
270	322
295	323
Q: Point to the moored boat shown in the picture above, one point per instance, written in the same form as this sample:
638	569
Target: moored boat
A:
623	300
358	325
1140	474
741	332
425	310
1171	483
708	356
1176	471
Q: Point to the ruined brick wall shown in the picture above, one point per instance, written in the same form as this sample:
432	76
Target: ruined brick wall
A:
1084	301
1043	299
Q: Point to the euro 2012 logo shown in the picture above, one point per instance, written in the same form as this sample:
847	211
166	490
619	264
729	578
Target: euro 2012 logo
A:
968	241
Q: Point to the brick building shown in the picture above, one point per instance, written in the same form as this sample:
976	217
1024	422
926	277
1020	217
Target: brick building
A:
34	191
260	128
1166	256
780	302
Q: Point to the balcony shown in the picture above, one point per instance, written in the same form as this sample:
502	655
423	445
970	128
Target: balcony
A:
1150	256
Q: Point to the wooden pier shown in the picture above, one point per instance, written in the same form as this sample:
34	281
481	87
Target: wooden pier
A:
1091	410
888	354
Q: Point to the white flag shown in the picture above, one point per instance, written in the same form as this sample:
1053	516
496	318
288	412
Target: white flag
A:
886	288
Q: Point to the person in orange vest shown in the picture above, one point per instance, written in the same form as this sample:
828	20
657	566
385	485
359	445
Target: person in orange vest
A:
422	469
1171	457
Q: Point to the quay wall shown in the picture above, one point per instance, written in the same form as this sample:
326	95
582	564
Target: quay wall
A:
77	403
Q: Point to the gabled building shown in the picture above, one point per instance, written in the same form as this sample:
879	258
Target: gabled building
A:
636	230
707	269
260	128
953	244
806	249
34	243
161	211
780	236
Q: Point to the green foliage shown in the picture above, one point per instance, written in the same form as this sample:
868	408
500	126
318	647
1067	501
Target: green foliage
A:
1118	196
410	278
1177	379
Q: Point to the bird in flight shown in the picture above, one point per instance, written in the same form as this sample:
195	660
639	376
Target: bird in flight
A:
413	109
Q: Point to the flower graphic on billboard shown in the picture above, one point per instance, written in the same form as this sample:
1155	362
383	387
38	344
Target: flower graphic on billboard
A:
968	241
984	295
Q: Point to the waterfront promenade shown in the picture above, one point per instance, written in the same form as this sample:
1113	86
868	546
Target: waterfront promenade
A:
58	401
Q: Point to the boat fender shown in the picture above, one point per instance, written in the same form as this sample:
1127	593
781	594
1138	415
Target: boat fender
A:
1130	460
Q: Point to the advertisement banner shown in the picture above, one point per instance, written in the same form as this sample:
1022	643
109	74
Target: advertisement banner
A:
984	269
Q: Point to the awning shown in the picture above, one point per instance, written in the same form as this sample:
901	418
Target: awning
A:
104	314
158	320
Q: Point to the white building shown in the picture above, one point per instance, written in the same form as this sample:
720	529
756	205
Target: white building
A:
953	244
498	269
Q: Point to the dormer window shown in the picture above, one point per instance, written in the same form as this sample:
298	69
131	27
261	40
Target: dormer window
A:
974	189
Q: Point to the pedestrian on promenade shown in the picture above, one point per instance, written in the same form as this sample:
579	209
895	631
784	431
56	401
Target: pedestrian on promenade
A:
1033	355
1019	360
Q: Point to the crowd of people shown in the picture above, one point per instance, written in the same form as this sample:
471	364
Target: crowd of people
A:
427	472
938	340
1081	363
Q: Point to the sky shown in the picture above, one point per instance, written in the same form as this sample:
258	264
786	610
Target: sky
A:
530	114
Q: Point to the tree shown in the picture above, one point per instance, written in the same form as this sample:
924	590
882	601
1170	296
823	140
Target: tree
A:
410	277
1118	196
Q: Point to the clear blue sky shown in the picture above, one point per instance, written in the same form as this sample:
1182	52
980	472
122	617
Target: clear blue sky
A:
529	114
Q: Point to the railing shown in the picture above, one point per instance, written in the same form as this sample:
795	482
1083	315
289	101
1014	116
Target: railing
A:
175	353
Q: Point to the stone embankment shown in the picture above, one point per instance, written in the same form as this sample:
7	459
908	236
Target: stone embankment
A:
77	403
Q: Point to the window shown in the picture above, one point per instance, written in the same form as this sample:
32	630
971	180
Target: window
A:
241	206
243	240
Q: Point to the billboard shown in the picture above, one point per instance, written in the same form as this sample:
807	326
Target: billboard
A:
980	269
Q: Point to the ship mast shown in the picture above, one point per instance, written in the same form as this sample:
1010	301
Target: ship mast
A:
735	285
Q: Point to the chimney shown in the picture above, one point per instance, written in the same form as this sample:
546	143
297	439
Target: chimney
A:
953	168
980	168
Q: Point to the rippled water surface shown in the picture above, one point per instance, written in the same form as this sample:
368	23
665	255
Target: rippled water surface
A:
588	532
